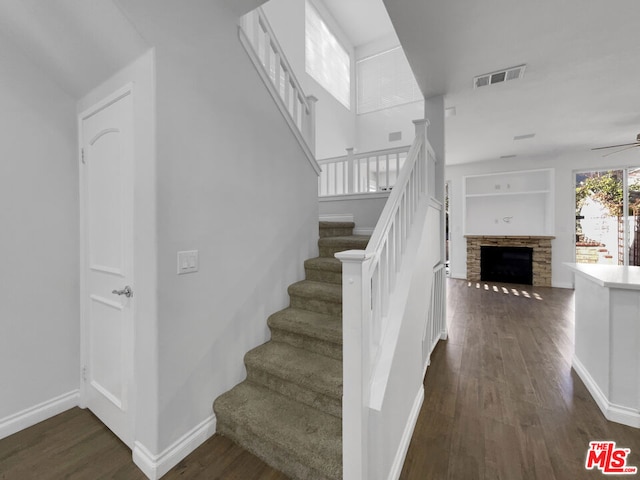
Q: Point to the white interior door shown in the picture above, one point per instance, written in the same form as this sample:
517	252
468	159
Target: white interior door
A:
107	262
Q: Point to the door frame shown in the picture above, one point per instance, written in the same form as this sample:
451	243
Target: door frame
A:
126	90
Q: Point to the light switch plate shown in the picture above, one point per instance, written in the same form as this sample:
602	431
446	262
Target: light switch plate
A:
187	262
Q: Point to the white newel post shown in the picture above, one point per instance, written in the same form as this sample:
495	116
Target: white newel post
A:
310	124
351	171
356	315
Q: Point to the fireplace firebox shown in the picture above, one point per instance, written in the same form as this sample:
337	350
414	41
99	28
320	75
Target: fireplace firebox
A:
506	264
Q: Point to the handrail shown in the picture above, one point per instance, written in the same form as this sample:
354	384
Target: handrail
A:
371	153
361	173
264	50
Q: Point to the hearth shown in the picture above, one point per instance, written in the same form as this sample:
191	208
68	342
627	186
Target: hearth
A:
506	264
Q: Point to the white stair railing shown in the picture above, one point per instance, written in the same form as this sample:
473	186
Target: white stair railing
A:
261	44
369	278
435	328
360	173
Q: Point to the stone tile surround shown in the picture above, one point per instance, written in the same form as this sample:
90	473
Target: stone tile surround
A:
541	254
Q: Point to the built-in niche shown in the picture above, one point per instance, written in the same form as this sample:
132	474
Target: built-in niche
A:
509	203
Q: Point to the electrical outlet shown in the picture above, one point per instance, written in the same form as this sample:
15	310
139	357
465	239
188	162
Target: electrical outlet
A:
187	262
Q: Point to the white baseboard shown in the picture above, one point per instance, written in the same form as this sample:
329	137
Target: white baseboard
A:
611	411
458	275
36	414
563	285
155	466
401	453
444	334
363	231
347	217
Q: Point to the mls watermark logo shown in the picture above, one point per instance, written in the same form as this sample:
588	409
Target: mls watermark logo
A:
609	459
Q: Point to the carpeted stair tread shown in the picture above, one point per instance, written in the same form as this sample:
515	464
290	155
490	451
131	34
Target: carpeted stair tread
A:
313	331
321	297
309	370
324	269
317	290
332	229
330	264
302	442
312	324
357	242
325	224
329	246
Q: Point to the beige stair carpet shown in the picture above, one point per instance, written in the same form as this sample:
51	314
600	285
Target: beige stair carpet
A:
288	410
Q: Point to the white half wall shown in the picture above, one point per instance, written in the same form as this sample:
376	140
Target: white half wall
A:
391	427
564	165
39	311
365	209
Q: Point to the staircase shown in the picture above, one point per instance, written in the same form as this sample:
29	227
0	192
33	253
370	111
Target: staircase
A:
289	409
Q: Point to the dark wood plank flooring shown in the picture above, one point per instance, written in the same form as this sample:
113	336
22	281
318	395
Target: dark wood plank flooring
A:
501	399
501	402
76	445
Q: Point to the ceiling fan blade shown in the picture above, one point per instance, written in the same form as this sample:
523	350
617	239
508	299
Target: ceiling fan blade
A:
616	146
622	150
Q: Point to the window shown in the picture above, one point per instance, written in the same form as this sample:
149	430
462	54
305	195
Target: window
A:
325	59
608	217
385	80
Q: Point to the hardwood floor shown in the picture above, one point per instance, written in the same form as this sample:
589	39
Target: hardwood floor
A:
501	399
501	402
76	445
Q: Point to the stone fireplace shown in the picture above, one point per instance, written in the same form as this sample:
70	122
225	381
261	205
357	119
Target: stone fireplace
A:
541	261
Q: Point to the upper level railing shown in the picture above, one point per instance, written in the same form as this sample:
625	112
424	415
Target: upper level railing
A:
267	55
369	279
366	172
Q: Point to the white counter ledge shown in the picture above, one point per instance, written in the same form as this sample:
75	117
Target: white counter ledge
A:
607	338
612	276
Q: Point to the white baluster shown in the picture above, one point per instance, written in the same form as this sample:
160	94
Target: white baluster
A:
267	54
368	174
278	65
310	123
295	105
386	158
287	90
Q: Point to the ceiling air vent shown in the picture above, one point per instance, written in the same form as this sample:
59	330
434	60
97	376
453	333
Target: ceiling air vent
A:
500	76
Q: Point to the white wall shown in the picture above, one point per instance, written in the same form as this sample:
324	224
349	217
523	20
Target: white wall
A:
233	183
365	210
141	73
39	279
564	165
373	128
335	124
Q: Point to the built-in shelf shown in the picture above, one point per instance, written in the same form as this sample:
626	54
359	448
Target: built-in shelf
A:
502	194
529	209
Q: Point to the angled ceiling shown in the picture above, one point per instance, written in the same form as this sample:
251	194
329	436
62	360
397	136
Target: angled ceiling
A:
79	43
579	90
363	21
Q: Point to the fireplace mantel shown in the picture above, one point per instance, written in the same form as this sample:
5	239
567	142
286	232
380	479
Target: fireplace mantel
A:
541	245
